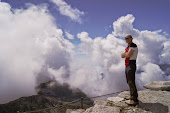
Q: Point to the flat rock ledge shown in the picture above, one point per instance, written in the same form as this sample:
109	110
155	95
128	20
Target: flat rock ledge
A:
149	102
158	85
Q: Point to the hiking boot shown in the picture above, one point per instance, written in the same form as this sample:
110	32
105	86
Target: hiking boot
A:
128	98
133	103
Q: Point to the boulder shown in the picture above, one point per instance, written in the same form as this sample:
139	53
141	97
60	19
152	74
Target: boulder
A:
158	85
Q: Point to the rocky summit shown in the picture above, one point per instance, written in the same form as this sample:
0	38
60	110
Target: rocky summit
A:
150	101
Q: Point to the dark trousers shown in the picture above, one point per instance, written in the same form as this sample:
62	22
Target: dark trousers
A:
130	77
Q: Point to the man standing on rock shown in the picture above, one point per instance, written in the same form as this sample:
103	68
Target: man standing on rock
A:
130	62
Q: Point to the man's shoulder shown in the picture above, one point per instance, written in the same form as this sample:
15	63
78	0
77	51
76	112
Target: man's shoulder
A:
133	45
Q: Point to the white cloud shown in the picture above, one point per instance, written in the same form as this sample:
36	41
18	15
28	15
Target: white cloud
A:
29	41
65	9
165	33
166	53
151	72
103	69
124	25
83	36
69	36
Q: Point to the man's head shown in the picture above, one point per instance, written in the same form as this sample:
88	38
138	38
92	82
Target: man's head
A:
128	39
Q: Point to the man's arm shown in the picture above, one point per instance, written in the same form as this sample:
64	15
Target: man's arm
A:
129	53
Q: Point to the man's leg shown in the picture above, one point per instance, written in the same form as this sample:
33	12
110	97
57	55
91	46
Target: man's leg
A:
127	80
130	75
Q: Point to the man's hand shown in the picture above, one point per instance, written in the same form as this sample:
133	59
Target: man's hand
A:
123	55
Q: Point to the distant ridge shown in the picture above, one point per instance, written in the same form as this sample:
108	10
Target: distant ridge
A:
50	94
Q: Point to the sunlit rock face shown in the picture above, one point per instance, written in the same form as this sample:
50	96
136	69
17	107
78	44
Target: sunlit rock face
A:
149	102
158	85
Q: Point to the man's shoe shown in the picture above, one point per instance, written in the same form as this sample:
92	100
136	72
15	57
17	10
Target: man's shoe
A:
128	98
133	103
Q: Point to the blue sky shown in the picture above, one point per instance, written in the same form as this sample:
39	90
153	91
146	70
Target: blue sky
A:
99	15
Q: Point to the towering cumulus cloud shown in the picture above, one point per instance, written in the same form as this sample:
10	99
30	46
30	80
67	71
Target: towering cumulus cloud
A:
104	71
33	50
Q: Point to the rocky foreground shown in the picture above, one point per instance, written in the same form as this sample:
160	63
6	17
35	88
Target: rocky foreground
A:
149	102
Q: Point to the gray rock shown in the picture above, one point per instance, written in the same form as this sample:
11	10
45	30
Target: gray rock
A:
103	109
134	110
101	106
75	111
89	110
100	102
117	101
158	85
150	101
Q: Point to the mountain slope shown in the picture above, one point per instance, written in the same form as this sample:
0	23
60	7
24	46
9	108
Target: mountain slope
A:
50	94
